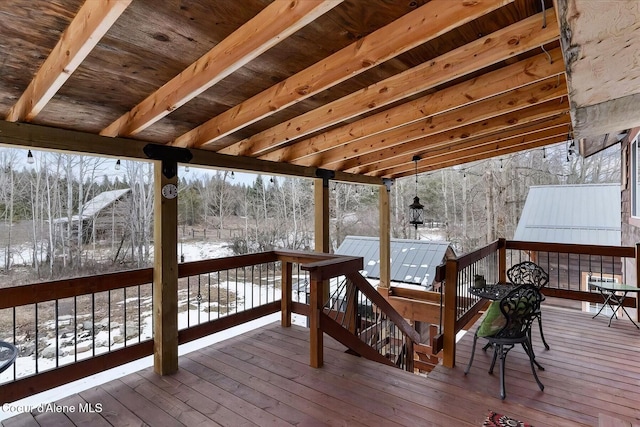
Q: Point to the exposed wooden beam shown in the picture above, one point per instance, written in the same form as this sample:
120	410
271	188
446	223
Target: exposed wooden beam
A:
48	138
402	153
86	29
493	83
362	152
539	130
498	46
276	22
425	23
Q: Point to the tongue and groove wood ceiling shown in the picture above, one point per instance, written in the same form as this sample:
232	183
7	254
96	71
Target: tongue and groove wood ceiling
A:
358	86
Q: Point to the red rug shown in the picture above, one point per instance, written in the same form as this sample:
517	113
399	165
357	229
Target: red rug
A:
499	420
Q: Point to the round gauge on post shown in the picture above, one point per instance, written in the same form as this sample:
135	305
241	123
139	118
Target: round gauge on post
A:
169	191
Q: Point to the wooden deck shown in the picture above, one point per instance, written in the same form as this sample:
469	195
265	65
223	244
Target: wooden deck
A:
263	378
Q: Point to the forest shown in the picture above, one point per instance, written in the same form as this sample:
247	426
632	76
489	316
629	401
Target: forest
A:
50	228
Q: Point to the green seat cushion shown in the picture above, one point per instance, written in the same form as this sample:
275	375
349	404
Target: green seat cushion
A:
493	321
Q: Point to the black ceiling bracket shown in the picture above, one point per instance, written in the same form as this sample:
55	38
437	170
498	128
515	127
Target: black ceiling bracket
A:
326	175
388	182
170	156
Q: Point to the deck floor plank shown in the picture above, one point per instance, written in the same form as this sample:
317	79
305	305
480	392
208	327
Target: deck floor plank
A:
317	405
262	377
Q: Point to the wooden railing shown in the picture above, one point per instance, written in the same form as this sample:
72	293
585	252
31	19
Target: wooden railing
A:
355	314
570	268
109	316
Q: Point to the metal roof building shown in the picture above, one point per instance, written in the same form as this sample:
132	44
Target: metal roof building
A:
95	205
412	261
578	214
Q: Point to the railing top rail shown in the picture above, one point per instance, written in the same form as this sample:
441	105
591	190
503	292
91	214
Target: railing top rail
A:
47	291
303	256
334	267
226	263
619	251
471	257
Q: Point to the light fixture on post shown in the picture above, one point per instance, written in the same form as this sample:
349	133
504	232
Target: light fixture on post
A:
30	159
416	210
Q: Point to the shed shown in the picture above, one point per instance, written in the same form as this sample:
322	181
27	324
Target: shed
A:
586	214
412	261
100	216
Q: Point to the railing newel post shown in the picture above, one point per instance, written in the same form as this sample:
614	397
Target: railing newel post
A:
316	342
286	286
502	260
450	313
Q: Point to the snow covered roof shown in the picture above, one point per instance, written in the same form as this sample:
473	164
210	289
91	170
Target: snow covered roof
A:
412	261
577	214
95	205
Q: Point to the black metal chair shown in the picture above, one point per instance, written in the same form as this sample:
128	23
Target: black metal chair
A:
518	309
8	353
529	272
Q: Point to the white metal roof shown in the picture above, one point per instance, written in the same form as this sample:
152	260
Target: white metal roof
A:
412	261
578	214
95	205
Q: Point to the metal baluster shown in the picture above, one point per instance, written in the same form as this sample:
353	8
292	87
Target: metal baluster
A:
227	282
139	317
57	334
15	371
199	297
37	343
75	328
93	323
109	318
124	293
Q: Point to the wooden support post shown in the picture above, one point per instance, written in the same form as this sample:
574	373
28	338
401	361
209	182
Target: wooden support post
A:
315	333
502	260
165	274
450	313
321	197
287	269
385	237
322	243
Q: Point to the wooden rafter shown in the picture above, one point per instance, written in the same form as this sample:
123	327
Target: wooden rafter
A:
91	22
506	43
402	153
514	148
272	25
371	149
407	32
490	84
491	144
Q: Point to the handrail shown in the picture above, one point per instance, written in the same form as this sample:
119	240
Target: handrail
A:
616	251
365	287
321	271
58	289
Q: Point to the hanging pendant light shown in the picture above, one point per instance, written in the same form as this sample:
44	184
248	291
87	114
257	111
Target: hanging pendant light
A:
416	210
30	159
